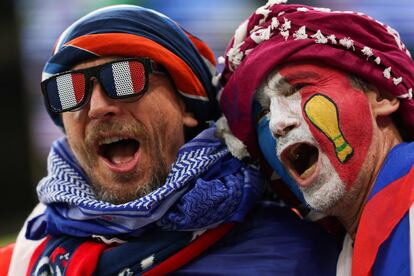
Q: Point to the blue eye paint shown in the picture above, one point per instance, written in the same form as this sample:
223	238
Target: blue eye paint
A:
267	144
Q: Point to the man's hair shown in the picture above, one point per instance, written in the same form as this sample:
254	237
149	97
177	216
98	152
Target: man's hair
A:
365	86
359	83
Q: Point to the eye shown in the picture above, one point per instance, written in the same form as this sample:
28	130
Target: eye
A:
296	88
299	86
263	112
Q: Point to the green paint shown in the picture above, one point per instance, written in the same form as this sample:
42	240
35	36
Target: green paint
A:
341	147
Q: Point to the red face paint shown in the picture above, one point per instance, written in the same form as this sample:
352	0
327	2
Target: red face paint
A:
335	112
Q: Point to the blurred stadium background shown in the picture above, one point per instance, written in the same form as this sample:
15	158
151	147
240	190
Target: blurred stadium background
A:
29	29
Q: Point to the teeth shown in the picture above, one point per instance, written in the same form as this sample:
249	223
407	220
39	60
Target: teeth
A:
308	172
110	140
303	160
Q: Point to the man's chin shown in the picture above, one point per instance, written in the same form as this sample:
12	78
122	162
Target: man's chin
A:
115	197
119	193
324	196
324	204
123	188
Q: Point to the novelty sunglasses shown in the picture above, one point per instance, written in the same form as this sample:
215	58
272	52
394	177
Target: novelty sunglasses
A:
120	79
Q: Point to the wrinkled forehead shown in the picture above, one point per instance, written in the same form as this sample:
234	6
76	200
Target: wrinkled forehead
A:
288	78
304	69
94	62
306	72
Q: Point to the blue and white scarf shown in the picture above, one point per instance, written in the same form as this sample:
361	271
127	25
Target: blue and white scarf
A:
206	187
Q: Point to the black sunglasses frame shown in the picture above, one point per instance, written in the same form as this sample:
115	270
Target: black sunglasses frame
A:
149	67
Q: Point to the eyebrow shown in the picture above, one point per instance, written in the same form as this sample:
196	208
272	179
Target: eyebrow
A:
283	83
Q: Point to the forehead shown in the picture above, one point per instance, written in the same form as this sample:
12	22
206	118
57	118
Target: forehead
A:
93	62
286	78
307	70
289	78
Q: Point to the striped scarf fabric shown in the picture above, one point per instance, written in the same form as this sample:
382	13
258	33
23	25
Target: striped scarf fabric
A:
206	187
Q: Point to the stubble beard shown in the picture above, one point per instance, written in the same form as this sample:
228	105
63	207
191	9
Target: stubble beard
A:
327	189
126	189
113	196
343	198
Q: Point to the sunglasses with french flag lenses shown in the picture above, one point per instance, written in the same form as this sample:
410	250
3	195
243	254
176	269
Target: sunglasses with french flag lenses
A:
119	79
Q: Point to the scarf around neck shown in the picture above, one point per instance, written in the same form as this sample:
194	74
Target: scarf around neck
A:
382	242
206	187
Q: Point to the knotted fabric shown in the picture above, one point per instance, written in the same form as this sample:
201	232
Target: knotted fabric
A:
278	33
132	31
206	187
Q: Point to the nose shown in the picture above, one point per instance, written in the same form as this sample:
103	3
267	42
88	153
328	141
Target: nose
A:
282	127
100	105
282	120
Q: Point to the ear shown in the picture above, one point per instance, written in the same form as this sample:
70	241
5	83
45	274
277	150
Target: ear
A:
382	103
189	120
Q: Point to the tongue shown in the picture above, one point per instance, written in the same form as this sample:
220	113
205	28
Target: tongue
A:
120	153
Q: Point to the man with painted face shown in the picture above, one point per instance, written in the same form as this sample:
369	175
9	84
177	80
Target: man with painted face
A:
127	191
329	95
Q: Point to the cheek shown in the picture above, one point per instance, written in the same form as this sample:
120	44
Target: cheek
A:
164	123
340	119
75	131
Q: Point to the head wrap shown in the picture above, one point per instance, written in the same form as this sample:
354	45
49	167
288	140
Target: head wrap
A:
132	31
277	33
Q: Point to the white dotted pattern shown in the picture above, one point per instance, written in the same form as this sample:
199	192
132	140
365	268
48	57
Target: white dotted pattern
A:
236	54
122	78
66	91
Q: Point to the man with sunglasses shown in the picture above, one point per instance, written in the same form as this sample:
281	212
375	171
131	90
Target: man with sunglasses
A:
130	188
116	133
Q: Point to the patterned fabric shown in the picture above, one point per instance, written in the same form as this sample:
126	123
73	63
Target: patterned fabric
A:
277	33
382	242
206	186
132	31
77	256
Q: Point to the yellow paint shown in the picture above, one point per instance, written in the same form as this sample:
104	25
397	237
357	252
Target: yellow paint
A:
324	115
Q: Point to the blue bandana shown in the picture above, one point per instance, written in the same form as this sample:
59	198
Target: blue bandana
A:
206	187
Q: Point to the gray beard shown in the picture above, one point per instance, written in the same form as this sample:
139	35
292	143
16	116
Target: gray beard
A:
160	169
156	181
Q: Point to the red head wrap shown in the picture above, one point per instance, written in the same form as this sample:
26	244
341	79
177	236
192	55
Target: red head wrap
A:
278	33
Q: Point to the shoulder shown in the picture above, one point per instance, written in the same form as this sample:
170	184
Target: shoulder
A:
24	248
272	241
5	258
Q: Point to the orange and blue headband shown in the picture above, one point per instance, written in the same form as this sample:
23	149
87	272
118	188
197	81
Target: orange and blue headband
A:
132	31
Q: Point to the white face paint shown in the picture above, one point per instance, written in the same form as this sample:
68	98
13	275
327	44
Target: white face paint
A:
320	184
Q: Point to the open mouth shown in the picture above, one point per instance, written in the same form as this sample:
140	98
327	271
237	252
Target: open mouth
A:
119	152
301	159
